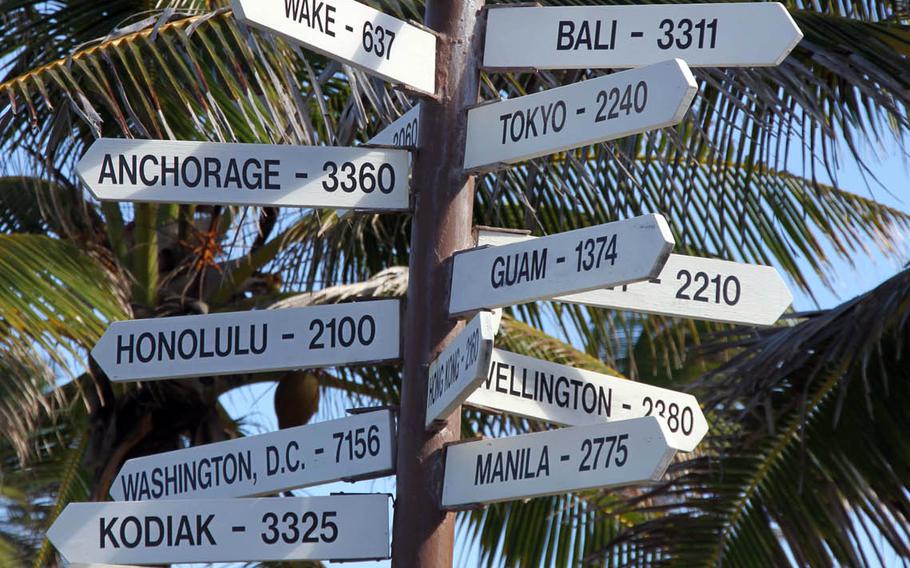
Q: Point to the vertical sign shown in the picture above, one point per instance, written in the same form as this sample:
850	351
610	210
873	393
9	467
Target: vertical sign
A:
460	367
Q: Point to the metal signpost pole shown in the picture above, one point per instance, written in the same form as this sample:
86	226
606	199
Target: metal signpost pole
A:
423	534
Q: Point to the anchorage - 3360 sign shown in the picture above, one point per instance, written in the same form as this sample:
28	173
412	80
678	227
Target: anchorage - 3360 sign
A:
167	171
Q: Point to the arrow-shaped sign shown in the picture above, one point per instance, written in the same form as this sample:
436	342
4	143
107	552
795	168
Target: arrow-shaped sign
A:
565	263
590	37
244	342
546	463
462	365
564	395
402	132
339	527
353	33
355	447
604	108
167	171
688	286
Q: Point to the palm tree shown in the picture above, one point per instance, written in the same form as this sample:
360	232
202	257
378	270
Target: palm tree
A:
805	456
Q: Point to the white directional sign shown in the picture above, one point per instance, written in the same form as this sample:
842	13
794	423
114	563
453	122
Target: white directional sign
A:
565	263
353	33
402	132
349	448
589	37
339	527
604	108
258	340
246	174
460	367
564	395
556	461
688	286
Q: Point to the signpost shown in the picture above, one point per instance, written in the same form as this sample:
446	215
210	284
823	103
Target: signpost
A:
604	108
338	527
402	132
688	286
556	461
167	171
564	395
588	37
565	263
460	367
355	447
243	342
353	33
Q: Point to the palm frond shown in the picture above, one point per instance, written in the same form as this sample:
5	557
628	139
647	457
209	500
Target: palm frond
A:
808	447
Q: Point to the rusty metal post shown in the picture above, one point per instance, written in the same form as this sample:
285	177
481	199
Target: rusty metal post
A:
423	535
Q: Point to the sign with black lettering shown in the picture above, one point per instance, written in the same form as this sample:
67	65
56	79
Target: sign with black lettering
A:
556	461
460	367
351	448
338	527
688	286
246	342
167	171
748	34
596	110
402	132
528	387
584	259
353	33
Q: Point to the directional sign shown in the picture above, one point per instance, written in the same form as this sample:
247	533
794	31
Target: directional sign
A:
355	447
460	367
574	261
588	37
402	132
339	527
243	342
353	33
688	286
564	395
556	461
246	174
604	108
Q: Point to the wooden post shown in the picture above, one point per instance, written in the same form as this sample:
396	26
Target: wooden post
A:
423	534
